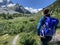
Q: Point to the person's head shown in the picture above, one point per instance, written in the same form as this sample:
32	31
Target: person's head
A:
45	11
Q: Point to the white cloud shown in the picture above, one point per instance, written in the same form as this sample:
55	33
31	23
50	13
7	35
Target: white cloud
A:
11	5
32	10
8	0
1	0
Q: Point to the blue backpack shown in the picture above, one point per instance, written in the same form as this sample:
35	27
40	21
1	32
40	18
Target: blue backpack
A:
49	27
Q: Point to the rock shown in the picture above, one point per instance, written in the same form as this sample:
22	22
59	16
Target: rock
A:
55	40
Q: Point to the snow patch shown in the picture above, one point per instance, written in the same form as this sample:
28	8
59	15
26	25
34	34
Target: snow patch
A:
32	10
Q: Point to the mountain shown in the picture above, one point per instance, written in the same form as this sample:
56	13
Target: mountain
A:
8	4
18	8
6	10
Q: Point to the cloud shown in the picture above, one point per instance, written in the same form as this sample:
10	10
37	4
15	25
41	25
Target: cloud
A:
32	10
6	0
1	0
11	5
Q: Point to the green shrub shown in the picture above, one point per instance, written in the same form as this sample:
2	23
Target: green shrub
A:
32	20
29	39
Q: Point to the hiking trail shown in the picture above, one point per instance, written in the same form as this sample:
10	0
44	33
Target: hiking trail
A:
15	40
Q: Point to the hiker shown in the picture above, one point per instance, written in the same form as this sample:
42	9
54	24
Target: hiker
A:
46	27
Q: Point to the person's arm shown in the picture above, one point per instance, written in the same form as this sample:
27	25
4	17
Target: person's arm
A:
40	24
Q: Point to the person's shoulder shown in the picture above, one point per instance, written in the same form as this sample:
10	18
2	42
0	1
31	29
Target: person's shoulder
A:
42	18
55	19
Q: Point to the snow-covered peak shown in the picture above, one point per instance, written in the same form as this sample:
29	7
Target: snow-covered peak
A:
6	3
32	10
5	0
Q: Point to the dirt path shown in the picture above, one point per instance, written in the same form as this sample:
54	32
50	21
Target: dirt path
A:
55	40
15	40
56	37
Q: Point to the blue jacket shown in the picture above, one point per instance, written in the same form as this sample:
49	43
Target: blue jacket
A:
40	24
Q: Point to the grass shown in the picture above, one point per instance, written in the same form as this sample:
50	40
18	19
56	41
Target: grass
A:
6	39
10	38
58	30
18	22
35	36
23	38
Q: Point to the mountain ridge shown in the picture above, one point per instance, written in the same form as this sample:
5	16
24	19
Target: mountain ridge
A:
5	4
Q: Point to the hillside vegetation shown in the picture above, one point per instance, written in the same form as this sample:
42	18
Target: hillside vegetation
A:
25	25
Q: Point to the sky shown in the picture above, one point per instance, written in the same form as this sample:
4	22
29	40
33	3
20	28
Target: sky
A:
34	3
34	6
